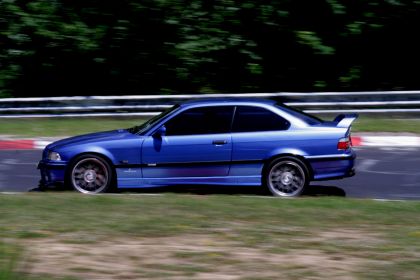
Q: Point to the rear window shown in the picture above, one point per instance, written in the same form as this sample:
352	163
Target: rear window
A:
252	119
309	119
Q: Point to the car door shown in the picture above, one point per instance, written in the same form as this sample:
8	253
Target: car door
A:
197	143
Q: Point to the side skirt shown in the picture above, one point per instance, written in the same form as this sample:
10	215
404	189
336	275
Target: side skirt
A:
159	182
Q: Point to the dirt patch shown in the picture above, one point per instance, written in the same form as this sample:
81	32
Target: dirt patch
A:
187	256
351	234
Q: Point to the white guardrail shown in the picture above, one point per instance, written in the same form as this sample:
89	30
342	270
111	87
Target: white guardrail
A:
396	102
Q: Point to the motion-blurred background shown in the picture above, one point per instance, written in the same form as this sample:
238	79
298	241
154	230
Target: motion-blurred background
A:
62	48
120	62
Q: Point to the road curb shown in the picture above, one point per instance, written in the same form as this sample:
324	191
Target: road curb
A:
357	141
386	141
23	144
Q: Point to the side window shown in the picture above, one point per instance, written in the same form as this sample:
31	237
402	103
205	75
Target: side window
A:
203	120
248	119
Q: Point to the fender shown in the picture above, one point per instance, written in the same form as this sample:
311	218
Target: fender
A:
82	150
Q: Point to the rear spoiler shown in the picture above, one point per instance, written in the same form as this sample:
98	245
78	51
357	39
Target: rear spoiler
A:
345	120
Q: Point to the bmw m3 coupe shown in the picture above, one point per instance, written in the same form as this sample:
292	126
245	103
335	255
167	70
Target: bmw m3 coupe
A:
211	142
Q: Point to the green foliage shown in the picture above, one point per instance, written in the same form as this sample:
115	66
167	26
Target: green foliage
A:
311	39
61	47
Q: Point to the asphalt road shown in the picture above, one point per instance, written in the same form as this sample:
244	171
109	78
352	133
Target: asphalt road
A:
381	173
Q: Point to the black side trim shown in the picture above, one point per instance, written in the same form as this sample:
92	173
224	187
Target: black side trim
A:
330	159
129	165
186	164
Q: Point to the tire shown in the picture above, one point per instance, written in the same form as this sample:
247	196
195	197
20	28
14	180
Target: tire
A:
90	174
286	177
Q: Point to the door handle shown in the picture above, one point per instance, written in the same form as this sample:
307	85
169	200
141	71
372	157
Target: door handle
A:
219	142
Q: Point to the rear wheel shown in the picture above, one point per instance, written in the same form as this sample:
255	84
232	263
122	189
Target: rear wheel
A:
286	177
90	174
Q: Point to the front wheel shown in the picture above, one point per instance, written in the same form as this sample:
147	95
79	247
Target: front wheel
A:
90	175
286	177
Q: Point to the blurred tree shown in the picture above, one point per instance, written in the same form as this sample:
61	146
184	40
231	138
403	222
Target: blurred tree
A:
45	47
62	47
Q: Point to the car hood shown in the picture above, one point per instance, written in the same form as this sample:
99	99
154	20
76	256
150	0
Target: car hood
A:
92	137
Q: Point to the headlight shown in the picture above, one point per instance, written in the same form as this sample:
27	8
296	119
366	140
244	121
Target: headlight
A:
54	156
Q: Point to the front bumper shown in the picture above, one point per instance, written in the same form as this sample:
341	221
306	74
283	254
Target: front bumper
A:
52	173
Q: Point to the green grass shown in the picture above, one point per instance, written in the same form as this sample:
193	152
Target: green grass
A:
382	239
71	126
364	124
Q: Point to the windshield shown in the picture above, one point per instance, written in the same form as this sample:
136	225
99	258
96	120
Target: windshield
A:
309	119
141	129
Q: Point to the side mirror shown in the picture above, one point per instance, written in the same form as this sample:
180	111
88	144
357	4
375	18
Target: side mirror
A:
160	132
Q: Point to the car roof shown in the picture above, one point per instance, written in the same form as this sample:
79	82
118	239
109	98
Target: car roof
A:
228	101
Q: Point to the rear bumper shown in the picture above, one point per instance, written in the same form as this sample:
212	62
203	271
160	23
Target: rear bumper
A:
332	166
52	173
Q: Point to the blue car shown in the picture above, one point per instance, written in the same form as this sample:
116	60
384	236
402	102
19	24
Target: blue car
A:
212	142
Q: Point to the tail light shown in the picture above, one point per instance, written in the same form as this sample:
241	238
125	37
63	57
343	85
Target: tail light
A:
344	143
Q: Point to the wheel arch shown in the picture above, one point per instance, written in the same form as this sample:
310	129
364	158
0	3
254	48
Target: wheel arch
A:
291	156
98	154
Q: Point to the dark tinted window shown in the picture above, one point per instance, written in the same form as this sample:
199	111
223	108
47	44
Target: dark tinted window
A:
204	120
249	119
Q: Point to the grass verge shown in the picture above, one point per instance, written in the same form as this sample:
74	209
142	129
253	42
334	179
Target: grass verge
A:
69	126
208	237
371	124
